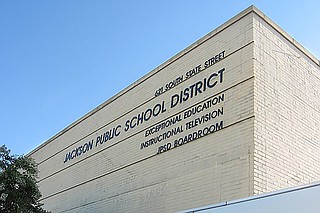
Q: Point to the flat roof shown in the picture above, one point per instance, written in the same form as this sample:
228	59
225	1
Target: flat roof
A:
288	196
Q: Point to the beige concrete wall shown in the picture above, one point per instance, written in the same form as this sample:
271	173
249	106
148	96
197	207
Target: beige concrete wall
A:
119	176
287	111
265	133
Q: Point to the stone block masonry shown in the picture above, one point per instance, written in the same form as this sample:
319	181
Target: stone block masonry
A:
233	115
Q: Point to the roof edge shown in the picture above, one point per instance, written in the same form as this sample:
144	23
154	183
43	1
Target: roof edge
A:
209	35
285	35
149	74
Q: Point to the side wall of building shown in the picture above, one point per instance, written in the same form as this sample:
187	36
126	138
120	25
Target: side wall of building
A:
287	111
184	147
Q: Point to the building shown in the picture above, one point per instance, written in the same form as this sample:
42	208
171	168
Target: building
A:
294	200
235	114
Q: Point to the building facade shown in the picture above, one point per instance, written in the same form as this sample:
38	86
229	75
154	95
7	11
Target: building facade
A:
235	114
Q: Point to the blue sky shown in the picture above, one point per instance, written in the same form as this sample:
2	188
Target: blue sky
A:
61	59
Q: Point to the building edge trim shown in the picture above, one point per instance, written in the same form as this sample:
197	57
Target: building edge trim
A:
288	37
233	20
253	198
